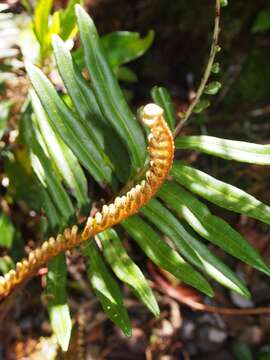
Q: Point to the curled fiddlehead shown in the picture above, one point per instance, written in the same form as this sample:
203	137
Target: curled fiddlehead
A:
161	151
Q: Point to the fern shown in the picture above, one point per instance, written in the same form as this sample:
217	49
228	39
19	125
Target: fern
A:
90	135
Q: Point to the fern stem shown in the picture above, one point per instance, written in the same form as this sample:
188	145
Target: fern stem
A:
207	71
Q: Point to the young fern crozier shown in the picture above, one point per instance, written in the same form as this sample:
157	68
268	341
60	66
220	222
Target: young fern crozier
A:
161	151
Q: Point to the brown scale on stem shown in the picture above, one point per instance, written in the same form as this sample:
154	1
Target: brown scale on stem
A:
161	151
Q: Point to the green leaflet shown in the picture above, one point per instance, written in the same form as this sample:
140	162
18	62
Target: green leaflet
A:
220	193
27	187
163	255
57	300
41	23
43	169
68	20
262	21
106	288
55	220
223	3
4	114
226	149
69	127
58	308
83	98
21	183
187	244
122	47
215	68
107	90
7	231
201	105
66	163
124	73
214	229
24	185
62	22
84	108
58	218
6	264
126	270
59	210
162	97
212	88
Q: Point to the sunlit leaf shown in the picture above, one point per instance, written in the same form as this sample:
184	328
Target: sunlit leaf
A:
64	160
29	45
55	25
162	97
106	288
68	20
226	149
108	93
188	244
24	185
96	125
126	270
163	255
21	183
57	300
124	46
41	23
69	126
220	193
215	229
7	231
43	169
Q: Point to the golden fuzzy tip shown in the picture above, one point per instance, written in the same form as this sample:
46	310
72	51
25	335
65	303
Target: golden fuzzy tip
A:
150	114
